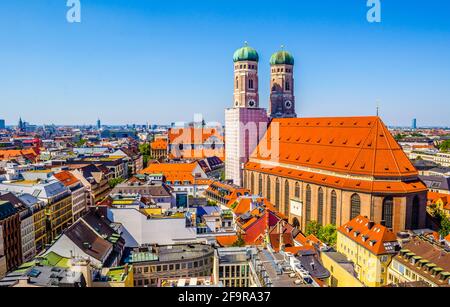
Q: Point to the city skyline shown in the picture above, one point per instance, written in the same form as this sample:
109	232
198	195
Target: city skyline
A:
124	55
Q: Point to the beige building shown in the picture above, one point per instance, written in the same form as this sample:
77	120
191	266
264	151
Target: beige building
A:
421	260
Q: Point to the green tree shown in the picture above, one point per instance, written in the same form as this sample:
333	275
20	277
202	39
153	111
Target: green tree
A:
328	234
81	143
313	228
144	149
445	146
239	242
114	182
444	229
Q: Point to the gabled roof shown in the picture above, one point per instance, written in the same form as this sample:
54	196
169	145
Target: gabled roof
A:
177	172
347	145
226	241
66	178
191	135
159	144
376	238
437	182
88	241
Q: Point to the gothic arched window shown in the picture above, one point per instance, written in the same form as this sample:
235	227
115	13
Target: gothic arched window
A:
287	86
308	204
355	206
252	183
415	214
277	193
250	84
388	211
269	196
333	207
320	206
237	83
286	198
297	190
260	185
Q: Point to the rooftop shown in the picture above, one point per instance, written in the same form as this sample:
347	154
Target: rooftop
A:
349	145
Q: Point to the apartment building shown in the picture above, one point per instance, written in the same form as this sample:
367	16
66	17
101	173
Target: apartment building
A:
370	247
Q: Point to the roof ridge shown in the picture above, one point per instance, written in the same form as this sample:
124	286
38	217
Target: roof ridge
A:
391	150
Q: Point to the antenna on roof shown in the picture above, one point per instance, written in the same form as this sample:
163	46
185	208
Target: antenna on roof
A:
378	107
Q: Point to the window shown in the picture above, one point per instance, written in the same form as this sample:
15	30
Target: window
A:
287	86
415	213
297	190
250	83
333	207
260	185
286	198
277	193
355	206
252	182
308	203
268	189
388	211
320	206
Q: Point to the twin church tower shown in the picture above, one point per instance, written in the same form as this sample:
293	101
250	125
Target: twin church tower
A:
246	95
246	122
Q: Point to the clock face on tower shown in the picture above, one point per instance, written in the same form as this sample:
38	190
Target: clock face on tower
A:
251	103
288	104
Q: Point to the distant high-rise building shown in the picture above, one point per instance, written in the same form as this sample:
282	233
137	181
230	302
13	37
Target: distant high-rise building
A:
21	124
2	124
99	124
414	124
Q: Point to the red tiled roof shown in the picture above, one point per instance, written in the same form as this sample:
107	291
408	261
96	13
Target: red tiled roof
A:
381	186
225	241
348	145
191	135
159	144
13	153
66	178
373	239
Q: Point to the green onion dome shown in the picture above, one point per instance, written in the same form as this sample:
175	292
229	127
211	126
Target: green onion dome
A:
282	58
246	53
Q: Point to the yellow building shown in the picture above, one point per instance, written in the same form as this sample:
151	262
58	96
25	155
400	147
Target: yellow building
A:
40	232
370	247
59	215
341	269
438	202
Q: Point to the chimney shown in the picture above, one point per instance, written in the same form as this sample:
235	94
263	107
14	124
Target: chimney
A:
370	225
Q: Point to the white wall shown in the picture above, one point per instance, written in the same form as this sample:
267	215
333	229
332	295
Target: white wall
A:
140	230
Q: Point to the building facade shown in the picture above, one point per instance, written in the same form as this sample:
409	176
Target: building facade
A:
282	99
173	261
420	260
370	247
245	122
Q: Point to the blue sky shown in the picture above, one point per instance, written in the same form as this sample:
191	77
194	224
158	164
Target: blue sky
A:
138	61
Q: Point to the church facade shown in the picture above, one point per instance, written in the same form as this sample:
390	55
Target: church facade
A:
330	170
